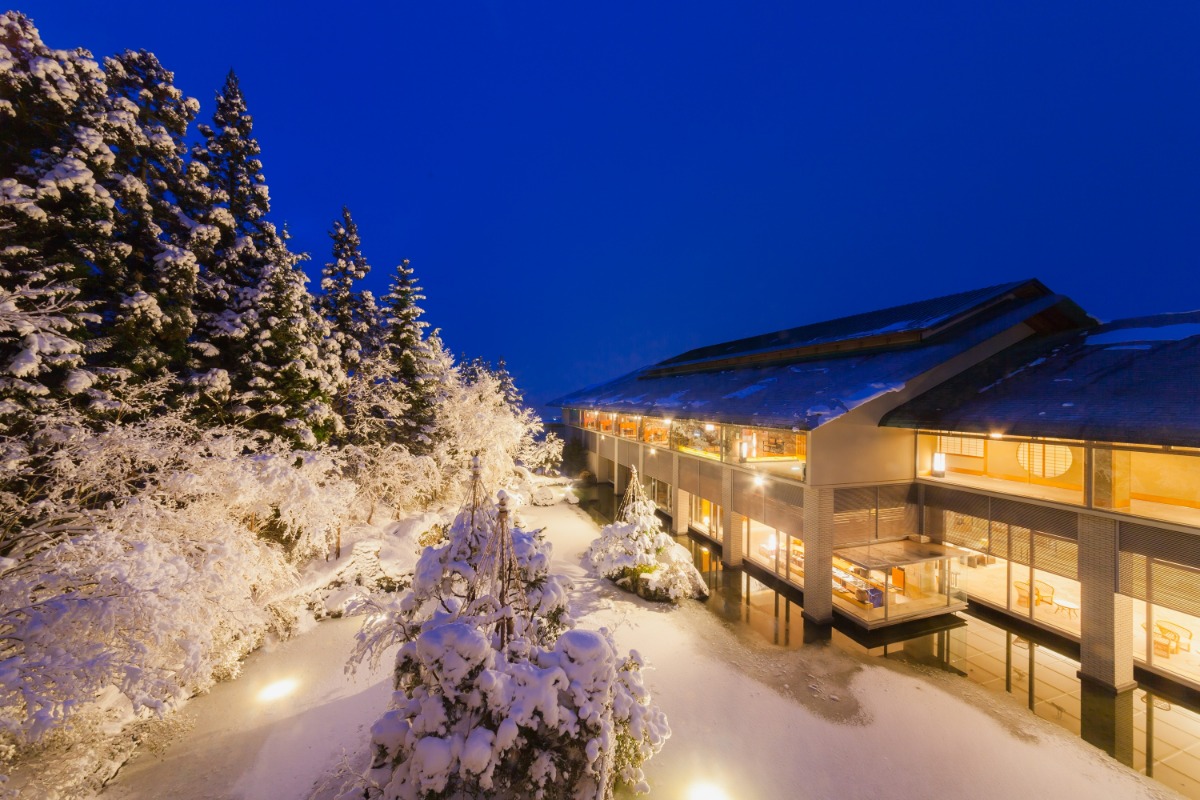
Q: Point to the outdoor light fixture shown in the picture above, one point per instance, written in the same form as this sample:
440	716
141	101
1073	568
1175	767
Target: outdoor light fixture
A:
706	791
710	427
277	690
939	465
996	435
745	450
758	480
653	450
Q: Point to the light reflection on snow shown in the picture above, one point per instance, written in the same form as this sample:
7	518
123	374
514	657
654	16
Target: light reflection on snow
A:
706	791
277	690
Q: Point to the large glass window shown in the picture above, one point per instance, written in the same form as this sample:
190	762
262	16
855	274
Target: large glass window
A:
763	445
776	551
656	431
571	417
607	422
1158	485
591	420
697	438
1045	469
706	517
627	426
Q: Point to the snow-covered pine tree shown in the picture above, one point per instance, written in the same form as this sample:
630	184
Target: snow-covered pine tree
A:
292	360
264	354
404	341
497	694
637	554
56	217
146	299
345	309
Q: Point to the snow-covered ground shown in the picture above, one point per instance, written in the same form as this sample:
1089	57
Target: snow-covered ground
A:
750	721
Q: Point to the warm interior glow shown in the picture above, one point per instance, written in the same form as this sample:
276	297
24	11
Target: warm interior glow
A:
277	690
706	791
939	464
996	435
710	428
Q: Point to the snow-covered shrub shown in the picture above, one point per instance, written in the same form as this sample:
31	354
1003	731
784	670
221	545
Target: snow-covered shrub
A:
543	496
570	720
146	556
496	694
639	556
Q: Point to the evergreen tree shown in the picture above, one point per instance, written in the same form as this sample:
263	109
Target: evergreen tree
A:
264	353
403	340
146	299
56	217
344	308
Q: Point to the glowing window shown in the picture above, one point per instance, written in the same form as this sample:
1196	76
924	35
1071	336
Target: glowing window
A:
1044	460
960	446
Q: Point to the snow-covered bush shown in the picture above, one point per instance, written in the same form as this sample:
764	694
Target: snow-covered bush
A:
496	694
150	555
570	720
639	556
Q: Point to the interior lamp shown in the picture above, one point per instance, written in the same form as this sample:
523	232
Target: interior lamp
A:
939	465
744	449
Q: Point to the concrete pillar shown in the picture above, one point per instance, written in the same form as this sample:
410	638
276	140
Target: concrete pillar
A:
1111	478
818	556
680	502
1105	617
1106	720
733	525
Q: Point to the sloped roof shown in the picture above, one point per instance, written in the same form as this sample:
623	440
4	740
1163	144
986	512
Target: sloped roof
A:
806	390
921	317
1132	381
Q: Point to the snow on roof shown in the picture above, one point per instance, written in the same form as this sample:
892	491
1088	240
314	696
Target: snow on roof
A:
912	317
801	395
1127	381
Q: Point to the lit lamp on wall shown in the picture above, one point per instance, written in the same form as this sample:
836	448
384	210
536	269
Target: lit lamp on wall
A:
744	450
939	465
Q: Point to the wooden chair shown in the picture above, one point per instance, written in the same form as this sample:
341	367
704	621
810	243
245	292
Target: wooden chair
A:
1043	593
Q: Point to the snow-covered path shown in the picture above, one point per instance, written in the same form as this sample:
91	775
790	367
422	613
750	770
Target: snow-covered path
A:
249	745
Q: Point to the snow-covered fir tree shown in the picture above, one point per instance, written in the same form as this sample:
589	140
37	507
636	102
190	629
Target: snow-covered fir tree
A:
146	299
498	694
347	311
637	554
56	217
265	355
403	339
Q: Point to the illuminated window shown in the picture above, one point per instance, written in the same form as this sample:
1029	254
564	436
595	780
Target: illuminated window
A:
960	446
1044	460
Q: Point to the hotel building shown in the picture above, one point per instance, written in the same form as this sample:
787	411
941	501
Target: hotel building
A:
996	448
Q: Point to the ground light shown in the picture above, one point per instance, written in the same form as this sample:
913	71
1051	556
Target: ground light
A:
706	791
277	690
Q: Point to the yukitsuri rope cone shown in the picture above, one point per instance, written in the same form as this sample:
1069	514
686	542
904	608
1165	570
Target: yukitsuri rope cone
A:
637	554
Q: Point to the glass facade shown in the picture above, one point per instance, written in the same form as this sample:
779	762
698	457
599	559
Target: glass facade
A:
1157	485
775	551
706	518
696	438
627	426
1045	469
656	431
773	450
897	580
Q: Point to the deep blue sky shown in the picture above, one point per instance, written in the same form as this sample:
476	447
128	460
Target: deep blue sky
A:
587	188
